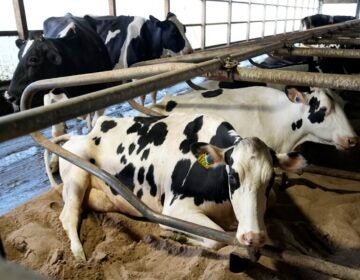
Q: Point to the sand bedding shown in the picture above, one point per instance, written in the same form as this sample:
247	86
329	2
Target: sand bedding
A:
315	215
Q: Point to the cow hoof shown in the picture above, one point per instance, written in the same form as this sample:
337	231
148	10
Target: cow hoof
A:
79	254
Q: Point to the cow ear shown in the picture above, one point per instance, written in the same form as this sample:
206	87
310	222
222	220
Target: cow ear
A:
54	57
209	156
291	162
154	19
169	15
20	42
295	96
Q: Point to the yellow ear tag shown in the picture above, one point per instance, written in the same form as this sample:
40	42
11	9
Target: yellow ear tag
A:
205	160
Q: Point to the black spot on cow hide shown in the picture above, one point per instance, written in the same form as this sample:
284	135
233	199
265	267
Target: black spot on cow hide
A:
296	125
123	159
151	180
162	199
131	148
222	138
141	175
234	181
190	131
156	135
97	140
139	194
107	125
212	93
269	186
199	183
120	149
126	176
145	154
315	116
170	106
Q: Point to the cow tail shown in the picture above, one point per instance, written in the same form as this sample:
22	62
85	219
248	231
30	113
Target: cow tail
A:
53	183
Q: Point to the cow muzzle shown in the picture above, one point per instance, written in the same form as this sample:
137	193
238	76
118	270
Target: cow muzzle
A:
344	143
253	239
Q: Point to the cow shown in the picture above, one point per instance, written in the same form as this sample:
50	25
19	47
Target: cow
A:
111	42
192	167
130	39
50	57
321	20
282	121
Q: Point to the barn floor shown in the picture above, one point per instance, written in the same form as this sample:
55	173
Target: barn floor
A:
314	215
318	217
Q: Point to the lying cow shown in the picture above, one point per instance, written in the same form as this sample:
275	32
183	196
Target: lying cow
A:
321	20
192	167
281	121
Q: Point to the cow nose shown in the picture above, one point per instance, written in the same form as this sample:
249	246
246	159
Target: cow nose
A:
253	239
353	141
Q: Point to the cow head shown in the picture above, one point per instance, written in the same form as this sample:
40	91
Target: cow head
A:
38	59
322	118
173	36
250	168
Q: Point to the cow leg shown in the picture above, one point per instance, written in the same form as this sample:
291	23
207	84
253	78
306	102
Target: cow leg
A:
50	98
74	189
186	210
153	97
97	115
57	129
142	99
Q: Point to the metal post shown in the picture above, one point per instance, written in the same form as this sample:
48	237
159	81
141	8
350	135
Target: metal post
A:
20	17
203	25
166	7
228	40
112	7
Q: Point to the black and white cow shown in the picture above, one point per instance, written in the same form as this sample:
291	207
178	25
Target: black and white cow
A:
73	45
131	39
192	167
281	121
51	57
321	20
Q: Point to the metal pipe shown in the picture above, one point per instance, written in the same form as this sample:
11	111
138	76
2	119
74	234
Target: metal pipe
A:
24	122
286	77
289	37
322	52
333	172
333	40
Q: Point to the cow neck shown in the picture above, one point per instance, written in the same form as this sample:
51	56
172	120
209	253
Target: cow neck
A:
152	35
290	137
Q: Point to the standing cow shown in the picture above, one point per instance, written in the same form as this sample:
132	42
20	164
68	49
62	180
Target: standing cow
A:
73	45
321	20
281	121
192	167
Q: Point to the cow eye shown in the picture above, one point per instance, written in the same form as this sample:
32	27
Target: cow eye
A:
323	109
33	60
232	179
